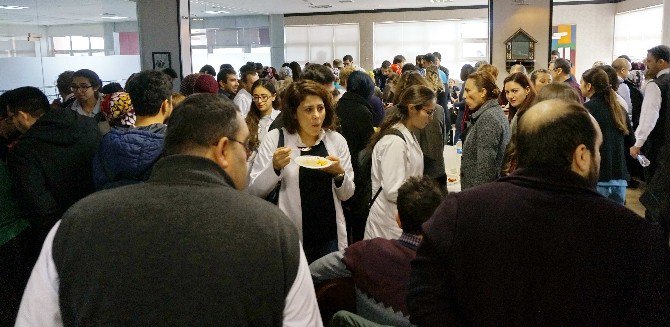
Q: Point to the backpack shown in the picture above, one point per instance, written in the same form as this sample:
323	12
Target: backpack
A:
365	172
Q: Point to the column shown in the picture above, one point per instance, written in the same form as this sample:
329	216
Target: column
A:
111	40
277	40
164	26
366	61
533	16
665	39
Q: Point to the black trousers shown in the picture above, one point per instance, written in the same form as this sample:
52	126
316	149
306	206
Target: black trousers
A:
16	261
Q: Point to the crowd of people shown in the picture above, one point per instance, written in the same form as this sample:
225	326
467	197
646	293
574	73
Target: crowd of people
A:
226	197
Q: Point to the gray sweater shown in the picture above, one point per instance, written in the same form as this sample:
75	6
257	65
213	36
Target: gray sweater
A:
184	248
484	147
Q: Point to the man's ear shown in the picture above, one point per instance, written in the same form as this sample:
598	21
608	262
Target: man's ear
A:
221	84
221	152
166	108
581	160
25	118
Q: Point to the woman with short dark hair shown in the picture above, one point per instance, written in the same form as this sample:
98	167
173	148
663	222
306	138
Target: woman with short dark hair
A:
86	88
310	196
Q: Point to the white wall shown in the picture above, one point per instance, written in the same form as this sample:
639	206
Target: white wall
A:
595	28
42	72
508	18
595	32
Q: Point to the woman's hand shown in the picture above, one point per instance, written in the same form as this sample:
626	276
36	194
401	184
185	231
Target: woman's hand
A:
334	169
281	157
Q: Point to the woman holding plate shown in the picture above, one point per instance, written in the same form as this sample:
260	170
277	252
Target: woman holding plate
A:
310	197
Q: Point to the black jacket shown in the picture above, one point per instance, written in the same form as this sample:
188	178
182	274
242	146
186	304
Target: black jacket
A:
612	152
355	117
356	127
51	166
539	248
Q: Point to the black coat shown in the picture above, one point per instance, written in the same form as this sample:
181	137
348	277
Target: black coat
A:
612	152
539	248
356	126
51	166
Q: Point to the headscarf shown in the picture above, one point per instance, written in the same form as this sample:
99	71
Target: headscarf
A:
118	110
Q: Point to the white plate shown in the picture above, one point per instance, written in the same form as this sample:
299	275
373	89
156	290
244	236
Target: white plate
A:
313	162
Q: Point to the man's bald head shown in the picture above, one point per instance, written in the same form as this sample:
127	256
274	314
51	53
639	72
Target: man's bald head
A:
549	133
622	66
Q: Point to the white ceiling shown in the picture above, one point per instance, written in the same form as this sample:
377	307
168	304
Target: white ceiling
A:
237	7
57	12
308	6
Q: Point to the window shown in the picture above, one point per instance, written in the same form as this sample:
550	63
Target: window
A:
459	42
637	31
77	46
321	43
235	46
57	42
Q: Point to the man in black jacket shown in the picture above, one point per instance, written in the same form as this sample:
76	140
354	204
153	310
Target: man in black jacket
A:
541	246
50	165
187	247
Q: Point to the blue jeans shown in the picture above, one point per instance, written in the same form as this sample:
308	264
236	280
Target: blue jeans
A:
614	189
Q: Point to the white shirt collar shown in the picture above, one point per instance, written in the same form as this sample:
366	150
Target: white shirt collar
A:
244	92
322	134
272	116
76	106
663	71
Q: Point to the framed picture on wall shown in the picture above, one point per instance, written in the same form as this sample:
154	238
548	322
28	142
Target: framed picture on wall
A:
161	60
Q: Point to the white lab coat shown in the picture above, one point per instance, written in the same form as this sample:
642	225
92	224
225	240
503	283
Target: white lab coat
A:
393	162
263	177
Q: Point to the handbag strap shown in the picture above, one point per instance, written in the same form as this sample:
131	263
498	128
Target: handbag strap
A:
280	144
391	131
281	138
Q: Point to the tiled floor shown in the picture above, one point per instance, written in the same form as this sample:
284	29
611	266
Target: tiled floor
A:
633	200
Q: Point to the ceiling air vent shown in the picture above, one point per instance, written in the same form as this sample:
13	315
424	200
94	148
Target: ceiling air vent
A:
320	6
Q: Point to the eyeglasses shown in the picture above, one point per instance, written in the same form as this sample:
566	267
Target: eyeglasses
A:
245	145
263	97
429	112
79	87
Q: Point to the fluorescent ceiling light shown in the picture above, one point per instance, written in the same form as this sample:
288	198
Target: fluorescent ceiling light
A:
13	7
114	17
215	12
